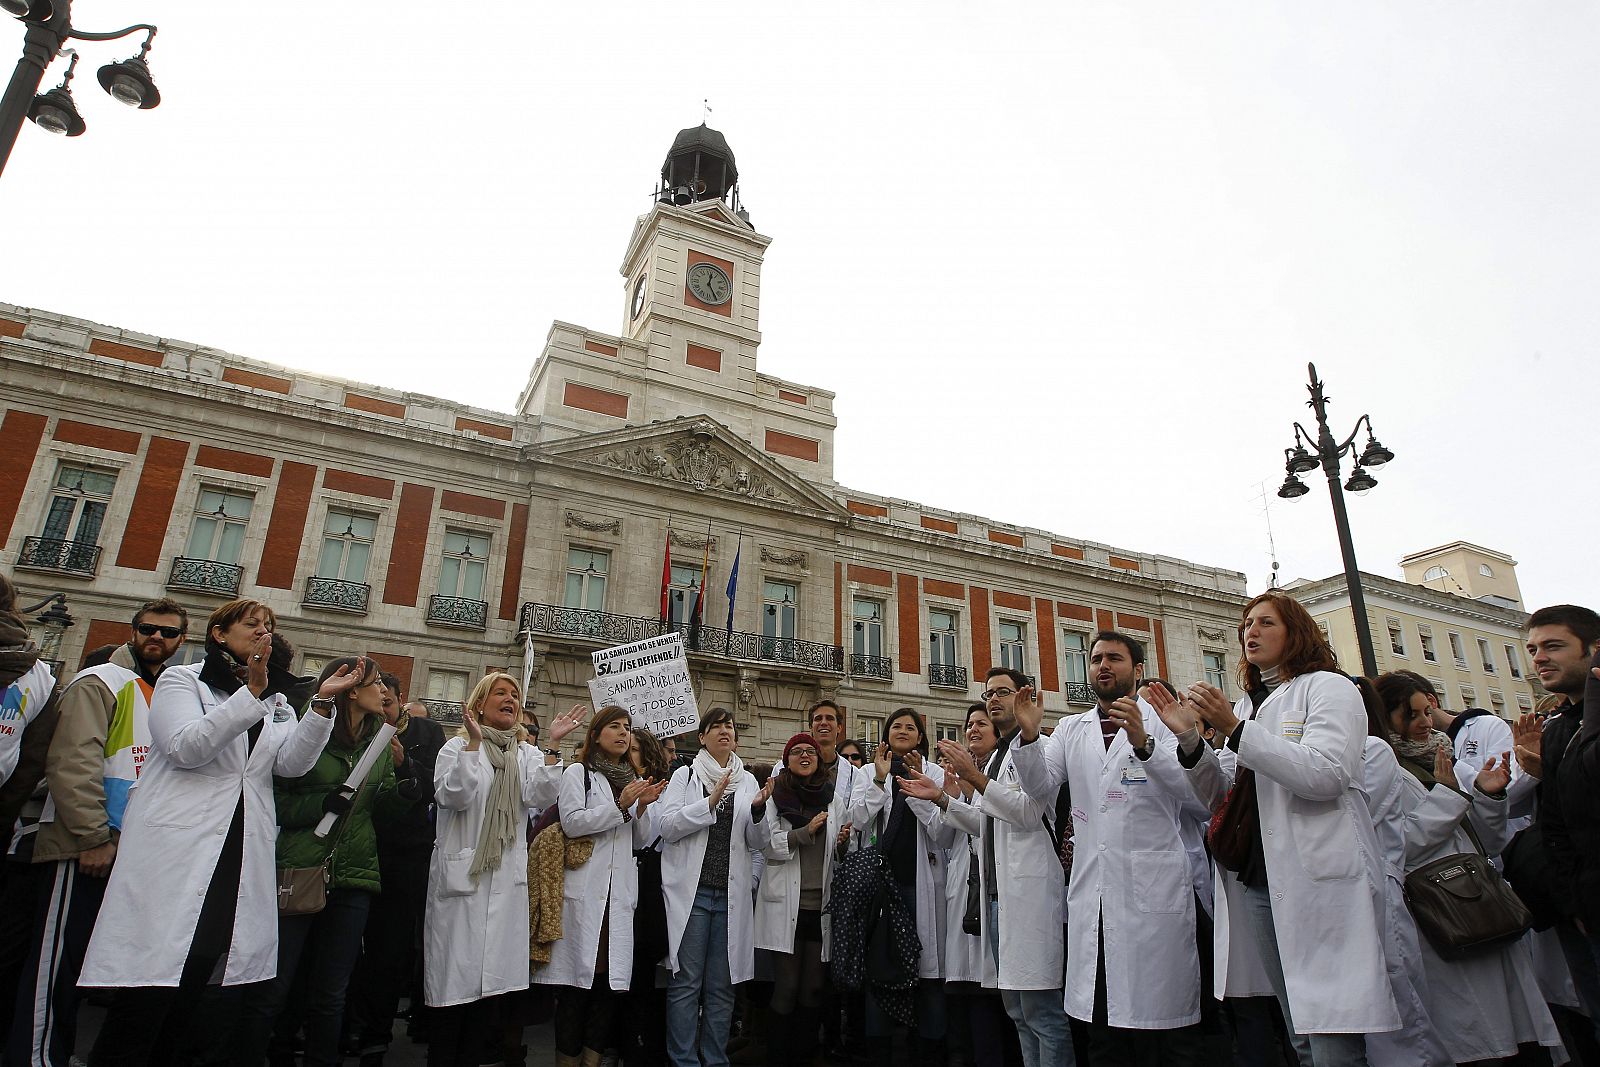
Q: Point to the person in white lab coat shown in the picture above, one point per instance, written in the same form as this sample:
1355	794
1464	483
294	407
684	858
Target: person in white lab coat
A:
1022	890
911	834
1488	1003
1308	856
1133	972
971	1009
603	799
792	894
711	815
193	891
487	781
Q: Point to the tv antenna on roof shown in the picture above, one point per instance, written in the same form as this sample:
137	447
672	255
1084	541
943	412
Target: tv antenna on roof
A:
1272	545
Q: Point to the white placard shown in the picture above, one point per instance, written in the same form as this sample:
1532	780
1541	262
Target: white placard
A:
651	679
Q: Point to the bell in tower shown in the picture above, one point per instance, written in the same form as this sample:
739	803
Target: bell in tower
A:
700	167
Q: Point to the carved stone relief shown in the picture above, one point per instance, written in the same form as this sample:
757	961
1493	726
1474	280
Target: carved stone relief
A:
1211	635
783	559
697	462
583	522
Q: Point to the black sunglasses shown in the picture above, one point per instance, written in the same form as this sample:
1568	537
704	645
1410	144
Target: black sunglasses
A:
148	629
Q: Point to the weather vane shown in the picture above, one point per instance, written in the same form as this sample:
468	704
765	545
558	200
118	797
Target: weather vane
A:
705	111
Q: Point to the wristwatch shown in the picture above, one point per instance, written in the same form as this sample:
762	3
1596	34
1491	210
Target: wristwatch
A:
1146	750
556	752
322	702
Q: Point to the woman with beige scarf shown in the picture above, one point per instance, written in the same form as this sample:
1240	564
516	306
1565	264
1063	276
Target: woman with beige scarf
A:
487	782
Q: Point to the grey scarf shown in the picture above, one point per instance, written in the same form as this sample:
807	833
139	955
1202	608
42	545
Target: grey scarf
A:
502	817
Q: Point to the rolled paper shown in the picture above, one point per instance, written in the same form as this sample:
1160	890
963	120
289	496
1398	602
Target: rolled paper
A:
358	774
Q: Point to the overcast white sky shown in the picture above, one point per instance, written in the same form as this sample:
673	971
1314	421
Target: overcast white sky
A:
1064	264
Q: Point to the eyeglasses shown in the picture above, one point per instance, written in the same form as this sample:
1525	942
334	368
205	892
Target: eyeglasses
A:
147	629
998	691
855	757
803	750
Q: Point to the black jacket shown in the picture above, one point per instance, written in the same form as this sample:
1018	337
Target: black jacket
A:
412	830
1577	787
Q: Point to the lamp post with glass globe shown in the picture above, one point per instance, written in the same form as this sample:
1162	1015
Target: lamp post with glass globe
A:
49	26
55	621
1326	452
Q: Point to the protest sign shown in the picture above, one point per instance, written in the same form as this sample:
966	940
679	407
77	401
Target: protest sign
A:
649	678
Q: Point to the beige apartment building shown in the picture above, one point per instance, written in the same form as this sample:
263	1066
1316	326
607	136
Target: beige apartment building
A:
435	536
1468	641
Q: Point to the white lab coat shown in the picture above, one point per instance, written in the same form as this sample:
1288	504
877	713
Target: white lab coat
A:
1416	1043
200	764
1130	870
604	889
1322	855
1486	1003
933	836
476	932
963	952
20	704
1032	891
683	824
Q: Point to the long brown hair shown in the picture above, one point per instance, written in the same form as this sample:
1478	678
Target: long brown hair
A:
1305	650
591	737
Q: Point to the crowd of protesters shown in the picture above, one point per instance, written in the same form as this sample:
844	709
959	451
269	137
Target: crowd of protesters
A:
245	866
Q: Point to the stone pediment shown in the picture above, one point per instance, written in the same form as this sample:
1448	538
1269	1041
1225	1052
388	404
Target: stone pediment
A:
700	454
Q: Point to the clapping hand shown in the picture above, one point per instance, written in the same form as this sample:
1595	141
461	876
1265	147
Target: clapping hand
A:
1444	765
1029	710
631	792
469	721
722	787
1175	711
766	791
1125	712
920	786
881	757
341	681
566	722
649	794
1527	737
1212	705
1495	776
960	760
818	823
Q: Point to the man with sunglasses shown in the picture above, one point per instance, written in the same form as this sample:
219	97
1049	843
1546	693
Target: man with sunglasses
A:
95	756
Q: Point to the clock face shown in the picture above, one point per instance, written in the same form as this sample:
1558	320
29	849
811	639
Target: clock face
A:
638	295
709	284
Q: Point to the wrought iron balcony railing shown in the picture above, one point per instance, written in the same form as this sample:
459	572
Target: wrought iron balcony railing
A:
335	594
205	576
863	666
605	628
54	554
1079	693
458	611
446	712
947	676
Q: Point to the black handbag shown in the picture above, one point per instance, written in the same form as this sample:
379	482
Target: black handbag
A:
970	922
1462	905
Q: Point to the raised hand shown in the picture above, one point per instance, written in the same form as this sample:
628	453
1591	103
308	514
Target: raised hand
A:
1495	776
650	793
914	761
920	786
1444	765
818	823
469	721
1527	738
1125	712
341	681
256	665
566	722
843	837
960	760
631	792
952	784
397	752
1029	710
766	791
722	787
1213	706
1175	712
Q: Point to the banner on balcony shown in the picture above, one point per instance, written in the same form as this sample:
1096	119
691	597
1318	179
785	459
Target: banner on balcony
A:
651	679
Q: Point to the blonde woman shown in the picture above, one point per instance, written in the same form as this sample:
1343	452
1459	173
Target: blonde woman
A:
487	782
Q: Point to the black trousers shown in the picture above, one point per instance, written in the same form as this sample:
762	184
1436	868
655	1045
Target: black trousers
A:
1113	1046
391	949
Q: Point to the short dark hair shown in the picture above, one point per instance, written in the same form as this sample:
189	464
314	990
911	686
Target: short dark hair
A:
1163	683
391	682
162	606
234	610
1423	685
1395	690
1135	649
916	717
1018	679
811	712
1584	623
590	748
852	742
715	716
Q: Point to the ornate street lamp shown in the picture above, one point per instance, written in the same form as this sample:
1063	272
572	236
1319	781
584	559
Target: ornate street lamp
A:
56	621
1309	452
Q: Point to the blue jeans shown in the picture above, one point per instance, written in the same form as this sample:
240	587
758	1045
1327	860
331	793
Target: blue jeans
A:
1039	1014
1313	1050
702	974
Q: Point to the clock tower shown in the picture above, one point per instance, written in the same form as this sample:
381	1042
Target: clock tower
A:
691	300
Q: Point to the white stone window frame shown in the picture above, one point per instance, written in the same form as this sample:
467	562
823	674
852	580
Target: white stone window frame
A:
950	606
1212	651
1486	653
564	567
327	500
1397	638
197	480
885	600
41	484
1458	650
1029	652
433	566
787	577
1513	661
1087	633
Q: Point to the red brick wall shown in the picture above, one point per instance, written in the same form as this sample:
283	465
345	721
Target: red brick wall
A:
1132	622
838	603
1000	537
909	608
516	543
270	382
601	401
938	587
224	459
470	504
1124	564
982	658
287	527
1015	601
359	484
791	397
152	504
375	405
703	357
23	432
112	632
12	328
793	445
1049	676
871	576
410	544
1103	620
92	436
1067	551
113	350
1161	650
487	429
399	666
861	507
602	349
942	525
1076	612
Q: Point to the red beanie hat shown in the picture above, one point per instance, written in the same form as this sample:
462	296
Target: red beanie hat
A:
800	739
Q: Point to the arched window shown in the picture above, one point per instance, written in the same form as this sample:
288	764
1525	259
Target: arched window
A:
1433	574
1486	570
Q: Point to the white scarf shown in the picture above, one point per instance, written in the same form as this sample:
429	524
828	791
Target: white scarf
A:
711	772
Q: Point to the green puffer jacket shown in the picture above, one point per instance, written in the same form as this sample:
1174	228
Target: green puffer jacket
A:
299	803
